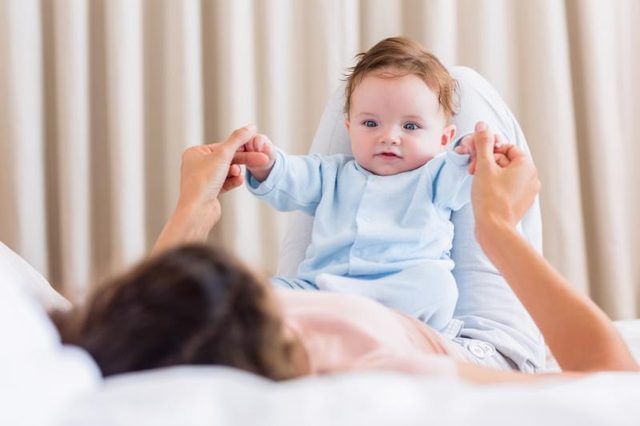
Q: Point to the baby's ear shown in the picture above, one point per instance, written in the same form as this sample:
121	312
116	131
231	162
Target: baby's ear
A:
448	133
347	124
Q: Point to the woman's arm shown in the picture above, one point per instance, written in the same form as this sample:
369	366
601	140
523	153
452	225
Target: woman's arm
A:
206	172
579	334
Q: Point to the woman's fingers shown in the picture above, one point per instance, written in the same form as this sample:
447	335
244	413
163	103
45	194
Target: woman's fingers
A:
232	183
501	159
239	137
501	142
251	159
481	146
514	153
484	143
234	170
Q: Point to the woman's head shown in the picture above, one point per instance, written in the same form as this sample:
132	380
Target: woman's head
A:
191	305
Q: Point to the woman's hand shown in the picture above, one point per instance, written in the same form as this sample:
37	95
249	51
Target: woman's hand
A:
500	148
501	193
206	172
209	170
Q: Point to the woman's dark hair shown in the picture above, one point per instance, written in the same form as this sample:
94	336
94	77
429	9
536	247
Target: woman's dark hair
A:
190	305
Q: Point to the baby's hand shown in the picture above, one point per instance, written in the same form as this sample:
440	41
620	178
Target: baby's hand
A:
500	148
260	143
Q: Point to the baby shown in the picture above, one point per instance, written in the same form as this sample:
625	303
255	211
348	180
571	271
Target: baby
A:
381	217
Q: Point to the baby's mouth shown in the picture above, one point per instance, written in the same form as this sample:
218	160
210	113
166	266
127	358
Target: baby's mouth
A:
388	155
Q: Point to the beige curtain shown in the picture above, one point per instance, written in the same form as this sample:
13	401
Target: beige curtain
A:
99	97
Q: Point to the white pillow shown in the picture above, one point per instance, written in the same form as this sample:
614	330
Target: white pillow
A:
39	377
478	101
15	269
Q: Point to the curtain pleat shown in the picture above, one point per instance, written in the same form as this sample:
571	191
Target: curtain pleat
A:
183	102
98	98
486	32
379	19
629	41
601	150
124	57
435	23
274	72
544	105
22	136
70	67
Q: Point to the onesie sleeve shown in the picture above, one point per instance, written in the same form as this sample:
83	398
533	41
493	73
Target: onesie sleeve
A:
295	183
452	186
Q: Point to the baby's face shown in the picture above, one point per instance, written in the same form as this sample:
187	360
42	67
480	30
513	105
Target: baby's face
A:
396	123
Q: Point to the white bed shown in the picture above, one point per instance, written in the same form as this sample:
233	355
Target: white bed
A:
44	383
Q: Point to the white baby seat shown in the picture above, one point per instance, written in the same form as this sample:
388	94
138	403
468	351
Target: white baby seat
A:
478	101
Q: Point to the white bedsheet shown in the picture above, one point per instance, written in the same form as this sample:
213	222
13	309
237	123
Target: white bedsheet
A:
217	396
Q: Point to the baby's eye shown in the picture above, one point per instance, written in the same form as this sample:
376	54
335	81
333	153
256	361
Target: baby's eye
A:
369	123
411	126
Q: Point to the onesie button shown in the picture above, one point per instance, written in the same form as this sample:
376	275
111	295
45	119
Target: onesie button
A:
481	349
488	348
476	350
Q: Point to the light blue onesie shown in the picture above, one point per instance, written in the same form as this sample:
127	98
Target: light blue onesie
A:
384	237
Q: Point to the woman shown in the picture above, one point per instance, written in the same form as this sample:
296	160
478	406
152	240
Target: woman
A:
195	305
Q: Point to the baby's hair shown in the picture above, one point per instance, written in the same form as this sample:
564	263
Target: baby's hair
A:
403	56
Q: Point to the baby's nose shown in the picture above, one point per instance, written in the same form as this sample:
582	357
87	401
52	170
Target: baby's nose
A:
391	141
391	138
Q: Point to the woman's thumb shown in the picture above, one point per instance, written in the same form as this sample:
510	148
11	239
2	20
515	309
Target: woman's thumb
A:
484	142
